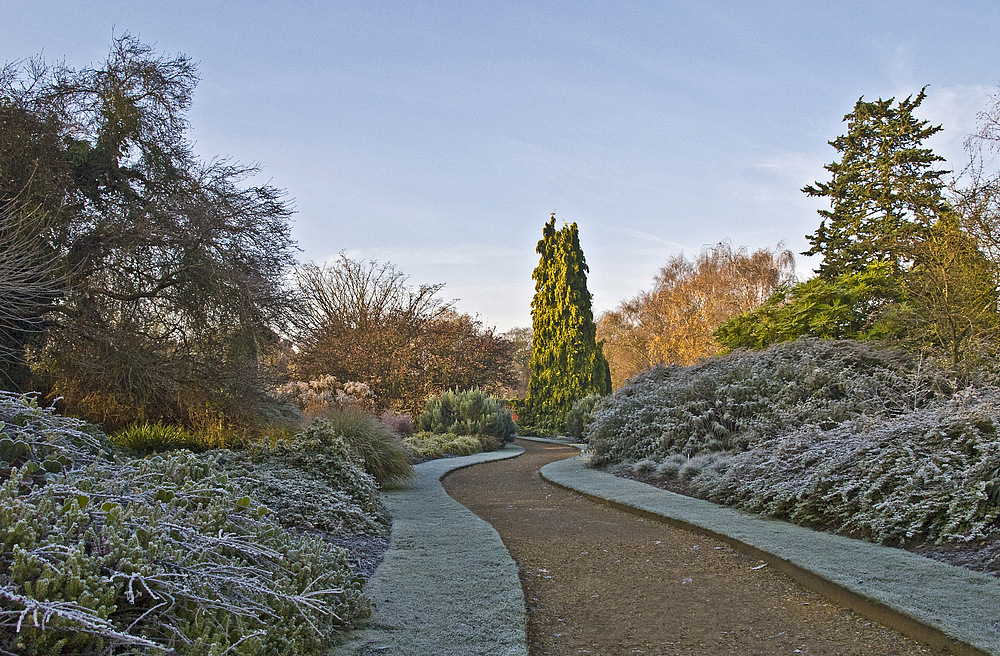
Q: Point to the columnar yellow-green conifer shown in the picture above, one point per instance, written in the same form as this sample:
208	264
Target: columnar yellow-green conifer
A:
567	362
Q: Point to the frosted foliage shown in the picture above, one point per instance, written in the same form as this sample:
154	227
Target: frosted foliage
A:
922	476
828	434
733	402
161	555
313	481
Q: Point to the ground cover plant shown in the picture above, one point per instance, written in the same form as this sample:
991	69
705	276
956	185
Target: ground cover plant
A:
840	435
175	553
426	445
461	423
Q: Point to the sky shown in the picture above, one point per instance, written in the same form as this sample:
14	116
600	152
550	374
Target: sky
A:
440	136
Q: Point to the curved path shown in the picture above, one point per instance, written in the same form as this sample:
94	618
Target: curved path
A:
601	581
446	585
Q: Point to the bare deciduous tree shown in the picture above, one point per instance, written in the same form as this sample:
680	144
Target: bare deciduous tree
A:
363	322
30	282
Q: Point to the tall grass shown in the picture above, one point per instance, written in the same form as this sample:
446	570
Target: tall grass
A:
384	454
145	438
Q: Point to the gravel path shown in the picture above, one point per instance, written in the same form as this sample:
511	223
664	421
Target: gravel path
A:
601	581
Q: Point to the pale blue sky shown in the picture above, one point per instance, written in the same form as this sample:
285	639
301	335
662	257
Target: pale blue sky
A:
441	135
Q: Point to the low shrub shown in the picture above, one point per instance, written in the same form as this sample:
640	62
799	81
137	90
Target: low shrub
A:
835	435
381	451
470	412
426	445
314	480
167	554
931	475
581	415
400	423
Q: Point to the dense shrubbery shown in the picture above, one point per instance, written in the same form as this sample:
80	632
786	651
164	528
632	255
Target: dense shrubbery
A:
380	451
733	402
471	412
316	480
109	555
827	433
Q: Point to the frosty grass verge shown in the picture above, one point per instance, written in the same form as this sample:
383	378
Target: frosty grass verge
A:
447	584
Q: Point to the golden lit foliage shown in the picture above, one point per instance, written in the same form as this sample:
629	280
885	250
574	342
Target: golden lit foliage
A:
673	323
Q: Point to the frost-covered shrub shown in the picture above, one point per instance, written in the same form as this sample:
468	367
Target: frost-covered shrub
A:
162	555
427	445
315	396
314	480
927	475
733	402
470	412
581	415
42	443
828	434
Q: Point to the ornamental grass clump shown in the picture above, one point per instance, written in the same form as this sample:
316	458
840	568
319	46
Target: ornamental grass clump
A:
470	412
381	451
146	438
169	554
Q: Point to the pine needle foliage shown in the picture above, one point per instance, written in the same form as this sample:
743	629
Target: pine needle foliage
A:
884	192
567	363
469	412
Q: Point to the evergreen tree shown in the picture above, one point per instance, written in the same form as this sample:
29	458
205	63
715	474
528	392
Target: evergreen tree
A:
885	193
567	363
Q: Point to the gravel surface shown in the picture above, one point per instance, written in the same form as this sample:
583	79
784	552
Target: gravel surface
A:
601	581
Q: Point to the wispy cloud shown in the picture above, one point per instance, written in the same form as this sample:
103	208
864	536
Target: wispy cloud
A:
956	109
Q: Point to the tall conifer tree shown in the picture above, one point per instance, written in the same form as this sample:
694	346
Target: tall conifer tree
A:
885	193
566	363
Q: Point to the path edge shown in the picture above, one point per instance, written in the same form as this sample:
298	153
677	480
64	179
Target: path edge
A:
841	592
431	530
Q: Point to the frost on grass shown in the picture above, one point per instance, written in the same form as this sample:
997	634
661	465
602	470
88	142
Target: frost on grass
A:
833	434
169	554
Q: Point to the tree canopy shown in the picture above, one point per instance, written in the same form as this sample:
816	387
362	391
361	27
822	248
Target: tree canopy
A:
674	322
900	261
884	191
364	322
174	268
